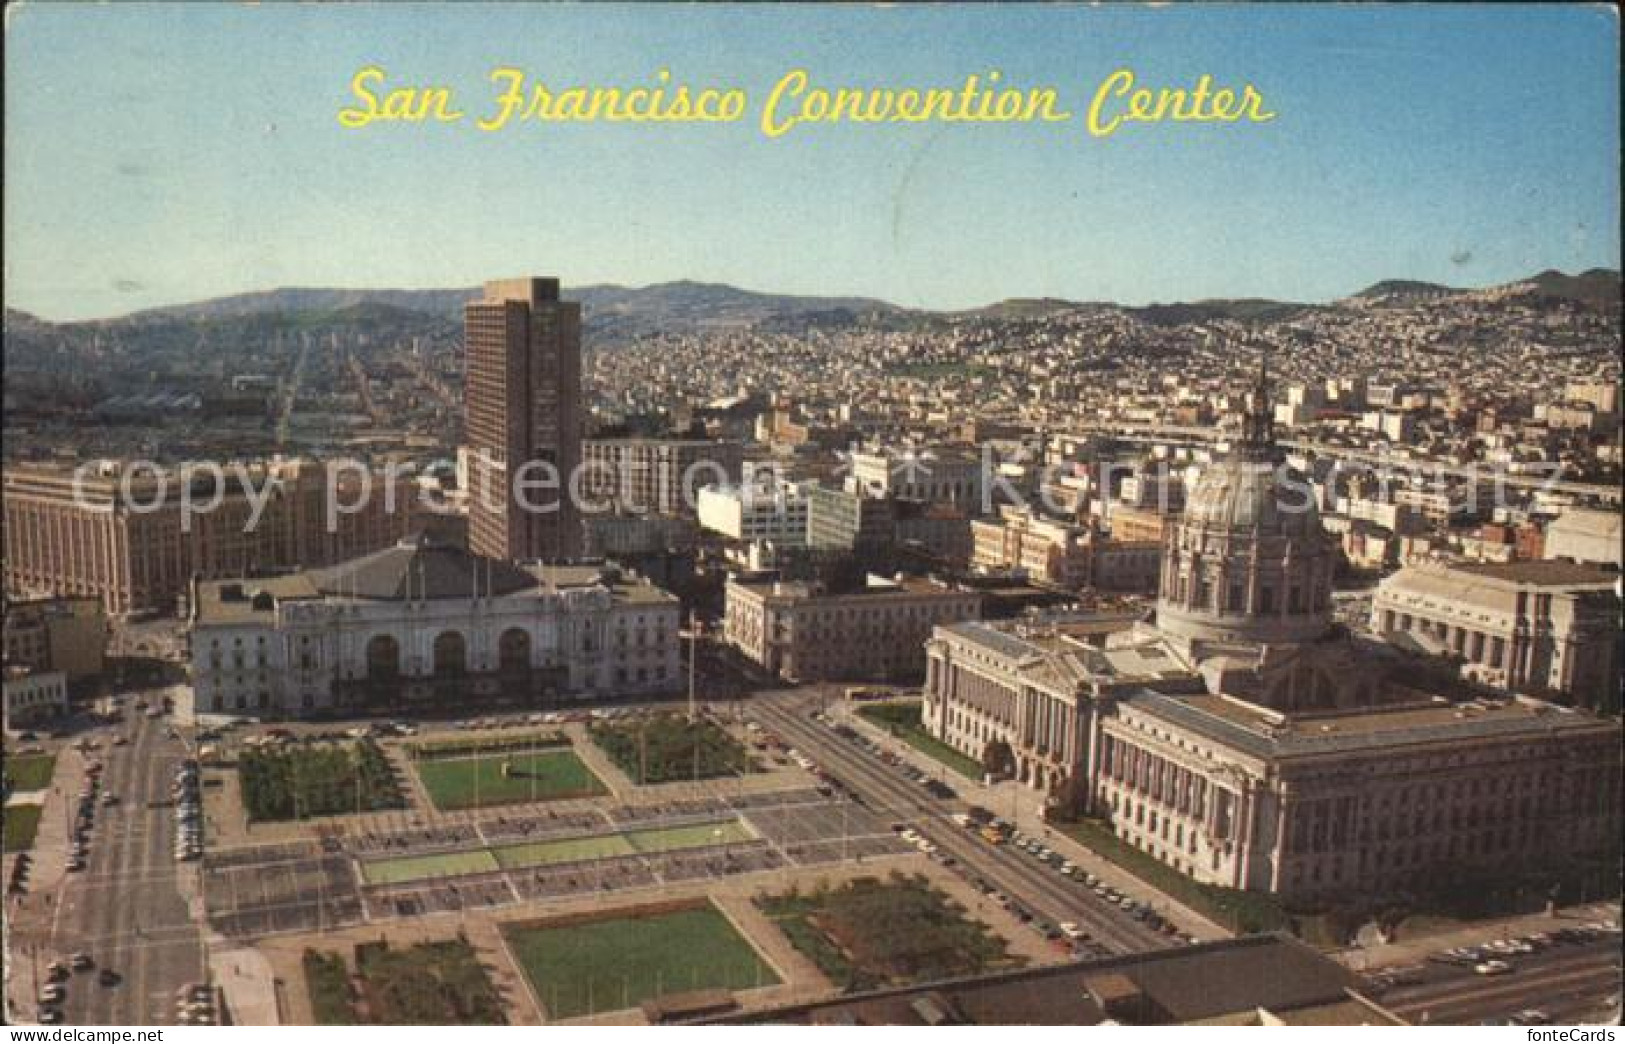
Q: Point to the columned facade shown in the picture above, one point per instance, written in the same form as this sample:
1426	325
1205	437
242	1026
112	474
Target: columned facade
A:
419	624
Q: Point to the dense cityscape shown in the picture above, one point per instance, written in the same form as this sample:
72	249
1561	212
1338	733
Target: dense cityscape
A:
811	515
1112	649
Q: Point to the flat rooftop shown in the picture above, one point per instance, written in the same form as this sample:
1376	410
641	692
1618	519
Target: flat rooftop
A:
1265	733
1544	573
1199	983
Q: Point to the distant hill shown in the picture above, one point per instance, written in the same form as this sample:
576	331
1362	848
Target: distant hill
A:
608	311
1597	287
1246	310
1024	308
200	331
1391	288
297	299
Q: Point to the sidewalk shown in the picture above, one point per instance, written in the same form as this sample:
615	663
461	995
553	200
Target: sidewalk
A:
245	977
1415	950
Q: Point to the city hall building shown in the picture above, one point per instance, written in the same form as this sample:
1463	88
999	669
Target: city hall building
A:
1237	737
421	623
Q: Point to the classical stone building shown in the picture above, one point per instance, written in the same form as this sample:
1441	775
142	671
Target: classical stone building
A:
1239	738
1518	626
946	476
1586	536
803	632
422	623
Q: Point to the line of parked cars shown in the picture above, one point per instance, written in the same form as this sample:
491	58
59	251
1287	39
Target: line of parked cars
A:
1066	868
933	786
194	1005
1495	957
188	812
85	818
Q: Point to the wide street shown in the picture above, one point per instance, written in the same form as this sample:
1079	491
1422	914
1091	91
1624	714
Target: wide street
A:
891	794
126	909
1569	983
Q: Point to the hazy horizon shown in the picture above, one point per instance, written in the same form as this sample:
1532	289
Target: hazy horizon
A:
567	288
165	154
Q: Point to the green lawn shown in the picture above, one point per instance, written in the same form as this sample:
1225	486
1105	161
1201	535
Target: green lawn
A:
442	864
663	748
1235	909
903	721
652	839
618	962
21	821
565	850
30	772
696	835
455	783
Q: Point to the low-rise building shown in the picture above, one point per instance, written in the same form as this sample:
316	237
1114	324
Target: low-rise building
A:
1582	535
1064	554
1371	800
1519	626
749	513
429	625
660	476
57	634
613	535
803	632
1257	980
134	537
940	476
33	697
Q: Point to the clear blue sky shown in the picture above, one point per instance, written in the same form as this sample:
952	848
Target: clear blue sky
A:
169	153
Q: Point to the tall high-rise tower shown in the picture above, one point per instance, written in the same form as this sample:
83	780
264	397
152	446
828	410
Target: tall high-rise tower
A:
523	424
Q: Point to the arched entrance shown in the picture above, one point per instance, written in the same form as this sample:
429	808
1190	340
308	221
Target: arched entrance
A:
513	651
450	654
383	658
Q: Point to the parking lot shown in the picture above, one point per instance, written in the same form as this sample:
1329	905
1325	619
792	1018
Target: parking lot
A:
276	893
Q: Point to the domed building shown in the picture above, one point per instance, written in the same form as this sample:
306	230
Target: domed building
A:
1249	562
1240	739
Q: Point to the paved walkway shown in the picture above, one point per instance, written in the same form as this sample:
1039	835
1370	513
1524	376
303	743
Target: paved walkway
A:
1416	949
245	977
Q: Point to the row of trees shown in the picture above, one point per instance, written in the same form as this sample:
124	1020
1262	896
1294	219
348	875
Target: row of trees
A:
298	782
668	747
